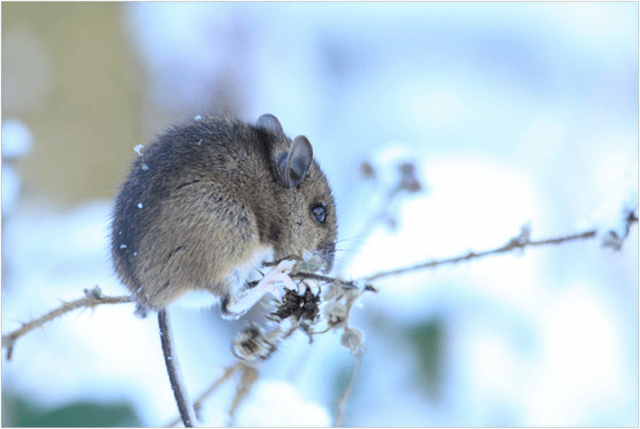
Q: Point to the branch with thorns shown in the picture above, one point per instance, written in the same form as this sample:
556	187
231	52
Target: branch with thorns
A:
93	298
520	242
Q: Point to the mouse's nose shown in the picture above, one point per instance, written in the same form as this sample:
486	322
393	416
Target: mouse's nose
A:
327	253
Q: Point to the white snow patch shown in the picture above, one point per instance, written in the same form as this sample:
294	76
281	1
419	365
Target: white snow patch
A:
10	189
16	139
276	403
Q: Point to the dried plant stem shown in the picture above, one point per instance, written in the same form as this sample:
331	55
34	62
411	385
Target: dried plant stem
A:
342	402
519	242
248	379
90	301
197	405
185	408
377	217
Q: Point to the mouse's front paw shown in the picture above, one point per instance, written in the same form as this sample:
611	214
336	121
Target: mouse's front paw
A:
273	283
279	276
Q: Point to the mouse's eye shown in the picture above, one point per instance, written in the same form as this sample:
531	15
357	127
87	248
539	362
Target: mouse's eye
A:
319	212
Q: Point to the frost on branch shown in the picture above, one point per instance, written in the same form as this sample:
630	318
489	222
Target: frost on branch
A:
319	304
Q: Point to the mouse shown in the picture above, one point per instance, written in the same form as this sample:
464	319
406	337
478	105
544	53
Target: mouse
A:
209	202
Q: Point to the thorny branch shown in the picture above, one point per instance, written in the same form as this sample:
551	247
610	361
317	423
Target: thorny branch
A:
93	298
520	242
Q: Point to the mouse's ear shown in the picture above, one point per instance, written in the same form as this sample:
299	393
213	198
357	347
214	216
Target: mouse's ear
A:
293	167
270	123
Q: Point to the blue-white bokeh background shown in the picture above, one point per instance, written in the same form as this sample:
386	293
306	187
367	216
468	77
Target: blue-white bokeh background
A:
514	114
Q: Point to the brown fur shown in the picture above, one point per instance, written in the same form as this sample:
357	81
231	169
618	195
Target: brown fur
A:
205	198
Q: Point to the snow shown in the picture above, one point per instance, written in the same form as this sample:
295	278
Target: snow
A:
512	114
16	139
10	189
275	403
16	143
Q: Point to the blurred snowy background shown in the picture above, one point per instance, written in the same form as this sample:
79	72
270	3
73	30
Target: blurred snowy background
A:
513	114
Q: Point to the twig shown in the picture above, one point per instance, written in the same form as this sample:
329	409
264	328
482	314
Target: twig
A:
519	242
408	182
342	402
249	377
173	369
313	276
197	405
94	298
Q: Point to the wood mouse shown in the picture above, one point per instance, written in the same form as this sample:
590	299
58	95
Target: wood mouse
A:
212	199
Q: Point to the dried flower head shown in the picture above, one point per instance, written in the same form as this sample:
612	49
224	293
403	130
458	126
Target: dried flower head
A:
252	345
367	171
336	314
408	180
301	307
353	339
